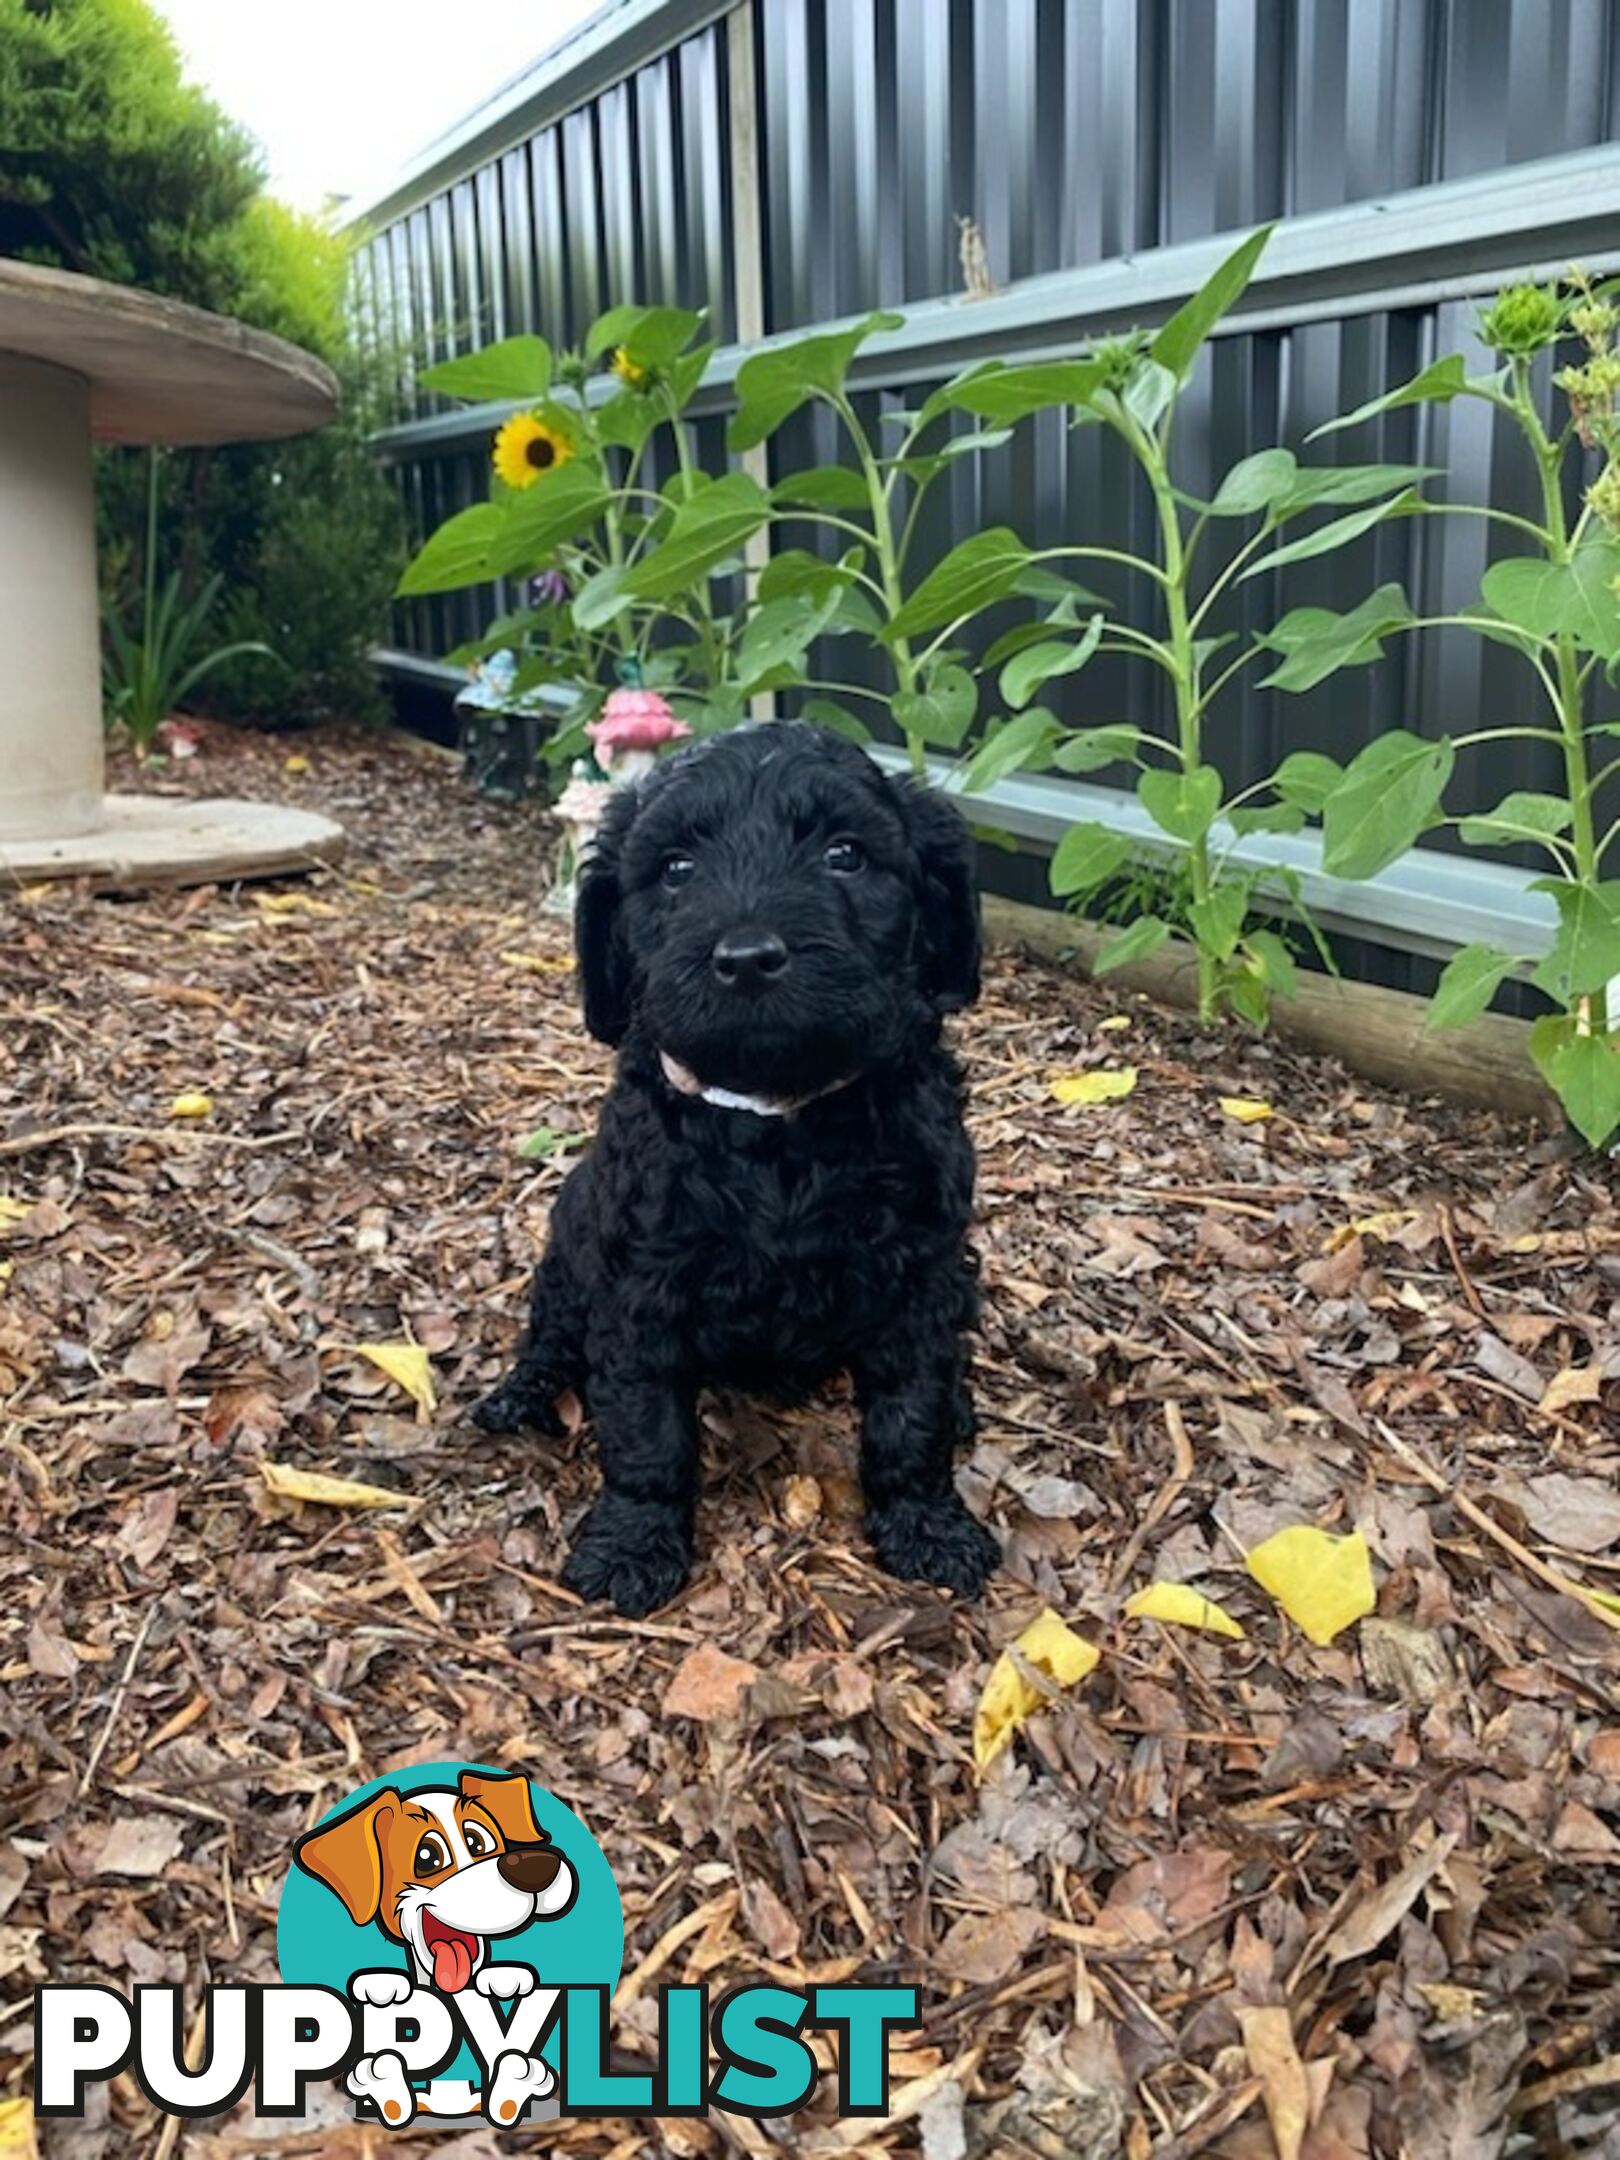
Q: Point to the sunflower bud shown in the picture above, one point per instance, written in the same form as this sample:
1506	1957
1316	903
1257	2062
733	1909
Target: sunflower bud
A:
1523	319
1604	497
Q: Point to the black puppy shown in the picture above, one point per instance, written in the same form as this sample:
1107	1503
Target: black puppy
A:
781	1184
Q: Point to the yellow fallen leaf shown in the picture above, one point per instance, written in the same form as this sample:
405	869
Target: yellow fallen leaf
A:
8	1268
1532	1241
293	903
326	1491
1575	1384
17	2141
1268	2041
1322	1582
191	1106
1387	1223
533	963
1183	1606
295	765
1247	1109
13	1211
407	1364
1009	1700
1092	1088
1114	1024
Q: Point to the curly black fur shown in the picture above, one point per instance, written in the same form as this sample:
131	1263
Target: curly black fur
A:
697	1244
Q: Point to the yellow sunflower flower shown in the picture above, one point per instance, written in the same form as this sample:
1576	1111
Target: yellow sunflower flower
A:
627	369
527	448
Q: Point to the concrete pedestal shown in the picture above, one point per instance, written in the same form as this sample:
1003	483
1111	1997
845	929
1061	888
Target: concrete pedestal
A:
51	764
84	362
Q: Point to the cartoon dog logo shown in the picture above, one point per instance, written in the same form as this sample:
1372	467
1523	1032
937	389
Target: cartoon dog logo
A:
445	1871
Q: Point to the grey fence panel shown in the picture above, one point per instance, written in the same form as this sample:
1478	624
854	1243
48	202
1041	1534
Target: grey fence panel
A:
1075	133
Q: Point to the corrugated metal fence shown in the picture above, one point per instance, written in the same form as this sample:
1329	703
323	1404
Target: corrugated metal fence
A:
787	162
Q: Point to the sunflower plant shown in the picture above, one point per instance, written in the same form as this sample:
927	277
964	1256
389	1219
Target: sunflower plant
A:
576	508
1555	603
1132	385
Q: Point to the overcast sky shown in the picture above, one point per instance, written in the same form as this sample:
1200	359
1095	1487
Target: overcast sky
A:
343	92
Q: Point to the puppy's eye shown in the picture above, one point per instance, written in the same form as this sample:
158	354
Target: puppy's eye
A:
845	856
479	1841
432	1855
677	870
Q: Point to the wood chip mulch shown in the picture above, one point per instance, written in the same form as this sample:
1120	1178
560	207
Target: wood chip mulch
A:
1217	1888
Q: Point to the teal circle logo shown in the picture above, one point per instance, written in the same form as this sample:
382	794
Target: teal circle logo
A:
461	1881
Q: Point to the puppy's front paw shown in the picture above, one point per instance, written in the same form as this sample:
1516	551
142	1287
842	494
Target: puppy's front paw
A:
381	2079
934	1540
520	1404
634	1554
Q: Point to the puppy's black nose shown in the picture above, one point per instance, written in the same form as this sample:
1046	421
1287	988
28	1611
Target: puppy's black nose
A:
748	959
529	1867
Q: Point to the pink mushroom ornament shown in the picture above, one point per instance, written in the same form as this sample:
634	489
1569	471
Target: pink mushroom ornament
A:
635	725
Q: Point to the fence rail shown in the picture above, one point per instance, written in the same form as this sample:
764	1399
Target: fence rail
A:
1416	154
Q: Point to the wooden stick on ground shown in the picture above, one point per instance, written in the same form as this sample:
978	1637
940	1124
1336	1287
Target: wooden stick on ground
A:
1493	1530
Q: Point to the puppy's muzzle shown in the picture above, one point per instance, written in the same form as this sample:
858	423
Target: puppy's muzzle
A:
531	1868
748	959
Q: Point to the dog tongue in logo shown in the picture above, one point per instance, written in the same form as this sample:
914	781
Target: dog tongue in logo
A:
452	1955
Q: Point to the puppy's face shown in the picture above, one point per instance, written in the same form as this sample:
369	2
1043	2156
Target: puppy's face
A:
442	1871
777	913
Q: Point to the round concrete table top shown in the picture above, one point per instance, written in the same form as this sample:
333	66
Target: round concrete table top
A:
159	371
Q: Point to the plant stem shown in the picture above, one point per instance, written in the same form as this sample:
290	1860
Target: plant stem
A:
905	664
1571	701
1185	675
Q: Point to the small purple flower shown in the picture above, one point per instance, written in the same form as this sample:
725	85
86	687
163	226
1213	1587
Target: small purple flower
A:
551	588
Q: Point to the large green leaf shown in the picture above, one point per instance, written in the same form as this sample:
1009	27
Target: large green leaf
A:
775	383
1583	1071
1026	671
1022	744
1086	857
651	336
518	367
1436	385
600	599
824	487
1218	921
1549	600
972	576
1389	795
558	508
1306	778
942	711
828	713
779	634
1316	485
1005	394
1138	941
1470	979
456	555
1149	393
1585	955
1519	816
1255	483
1176	346
1088	749
704	531
1183	804
1336	533
796	571
1317	642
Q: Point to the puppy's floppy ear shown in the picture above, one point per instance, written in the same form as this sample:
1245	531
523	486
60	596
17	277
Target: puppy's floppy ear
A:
599	948
507	1802
948	899
346	1855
